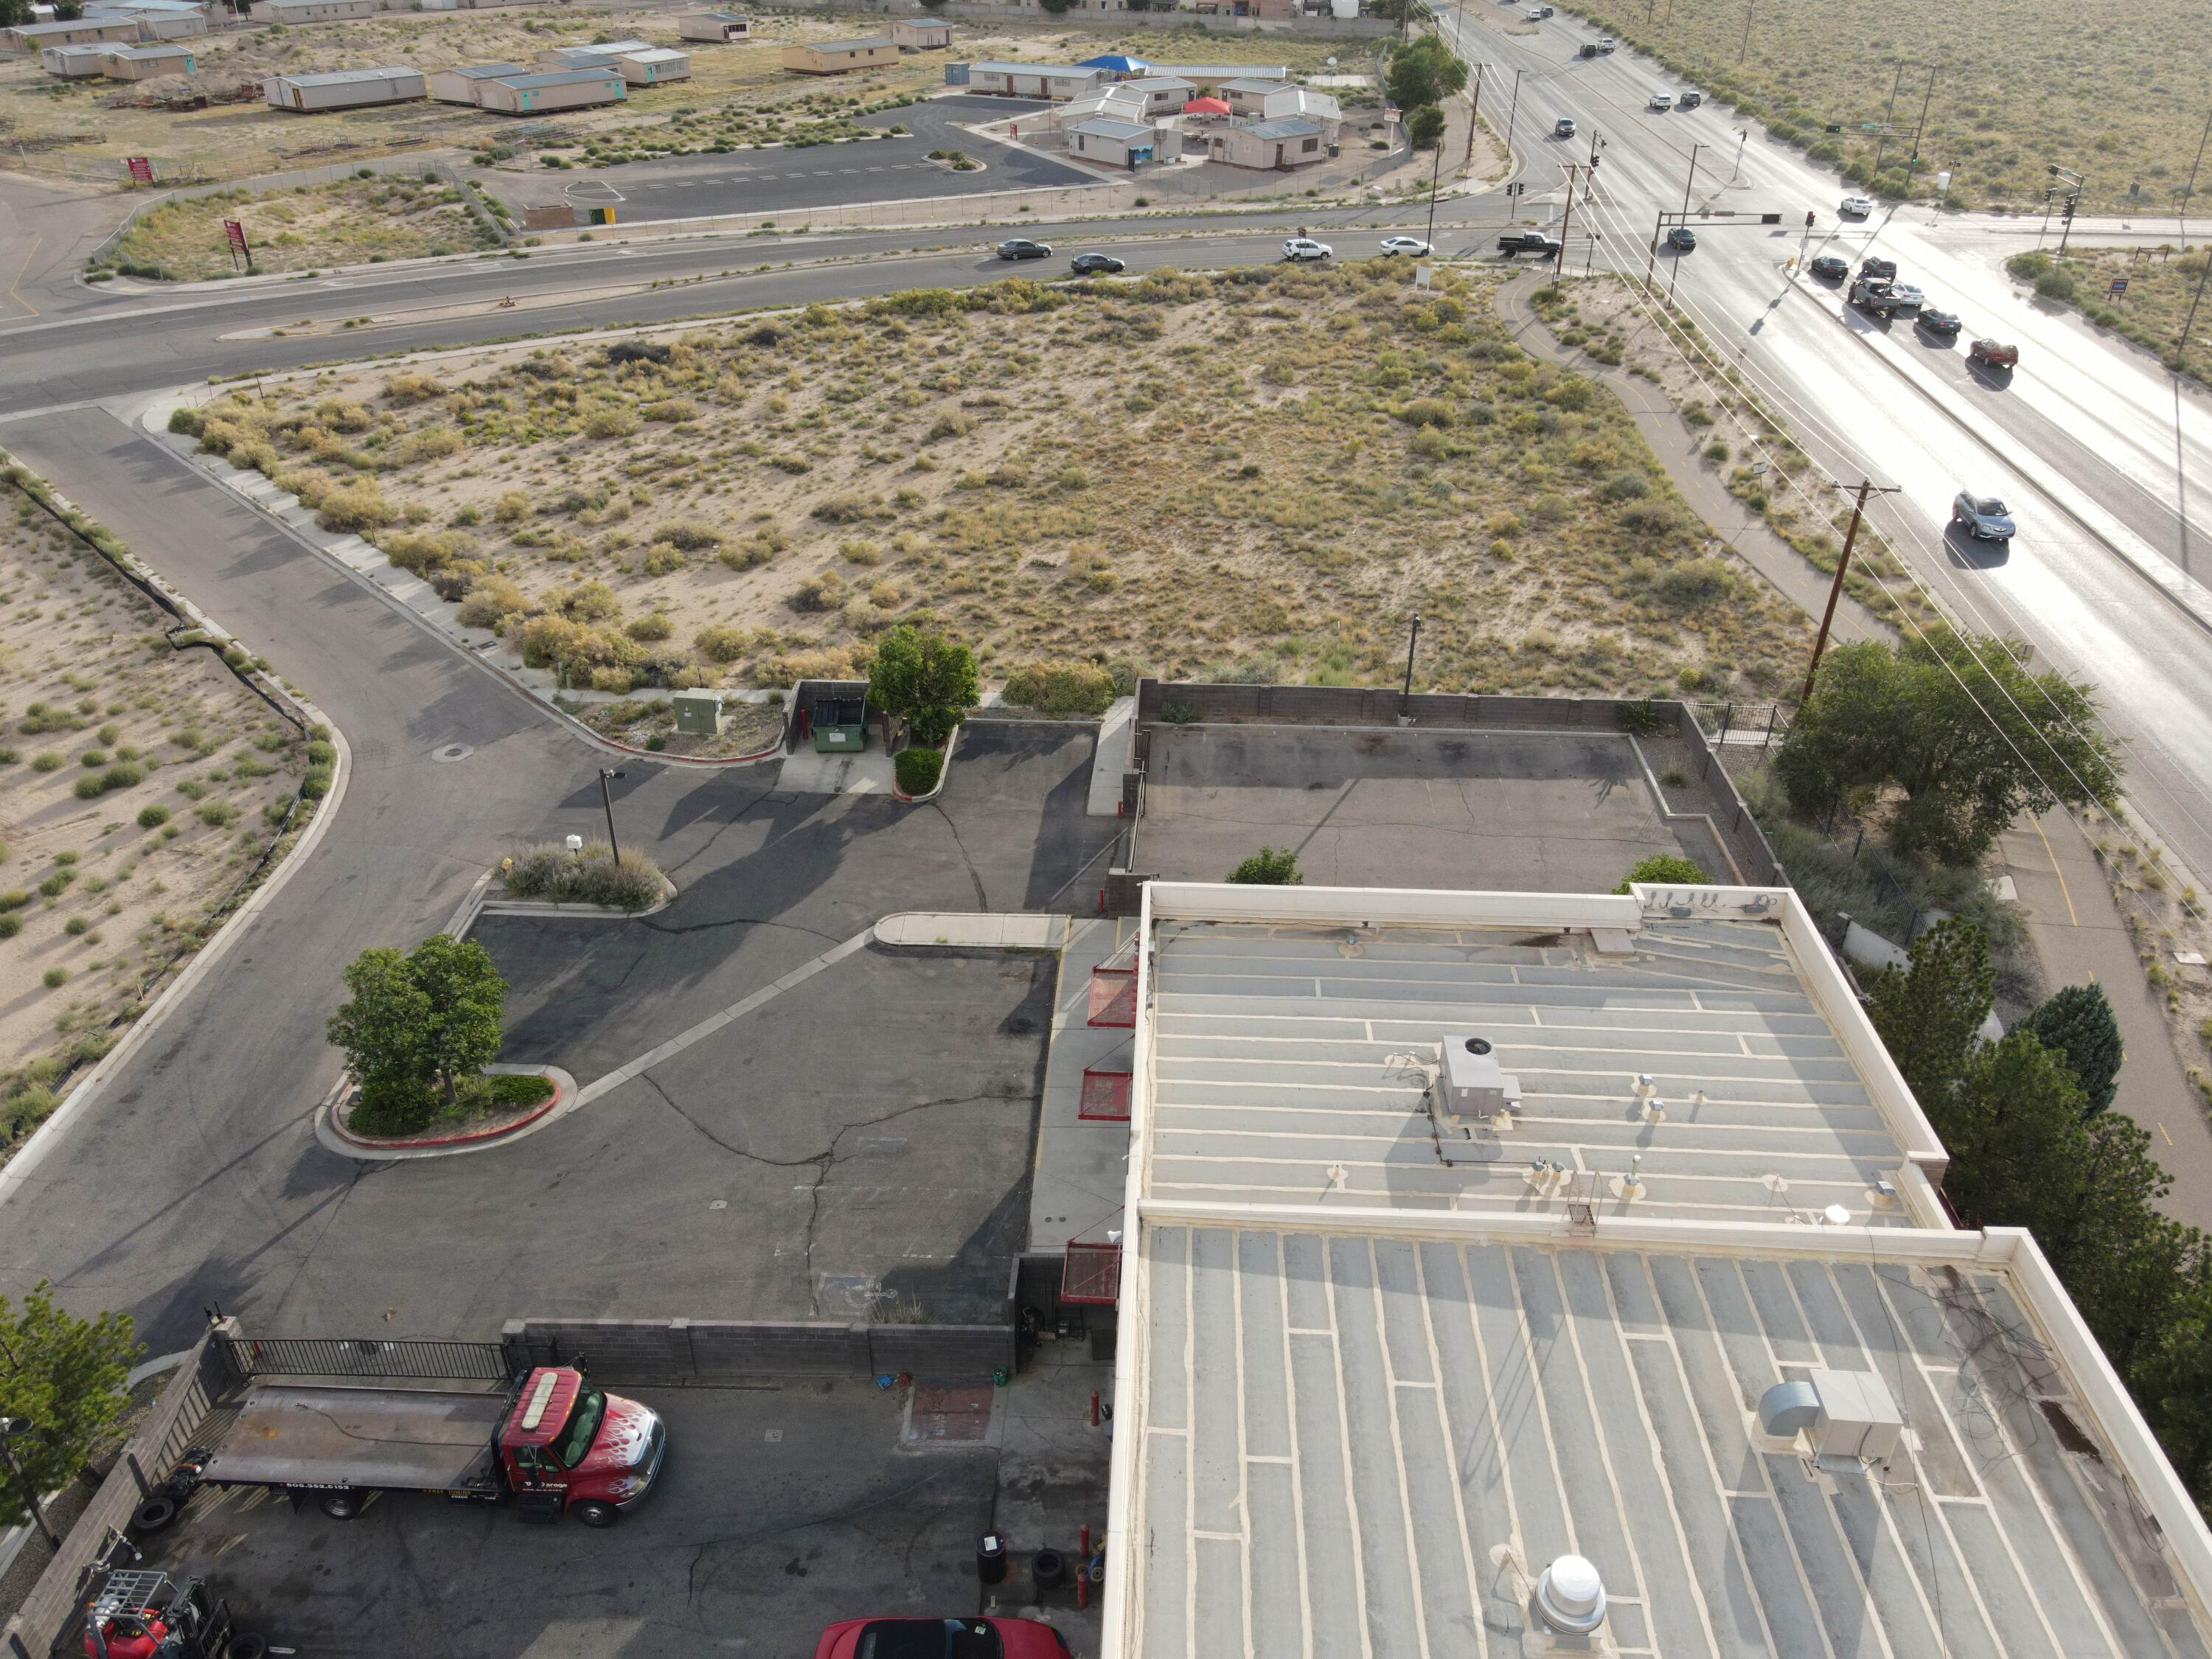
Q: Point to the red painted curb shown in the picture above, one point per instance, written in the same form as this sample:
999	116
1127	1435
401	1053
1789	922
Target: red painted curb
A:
464	1138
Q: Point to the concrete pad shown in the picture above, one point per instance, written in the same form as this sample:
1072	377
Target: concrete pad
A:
1528	811
978	930
868	772
1118	734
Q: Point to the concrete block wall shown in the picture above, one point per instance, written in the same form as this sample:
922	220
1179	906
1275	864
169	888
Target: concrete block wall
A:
680	1353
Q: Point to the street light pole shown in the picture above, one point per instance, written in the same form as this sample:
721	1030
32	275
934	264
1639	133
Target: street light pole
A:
1406	696
607	800
1511	110
1881	147
1675	269
1750	10
1474	113
1913	162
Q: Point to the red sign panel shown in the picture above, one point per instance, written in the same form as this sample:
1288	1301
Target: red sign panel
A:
236	231
142	169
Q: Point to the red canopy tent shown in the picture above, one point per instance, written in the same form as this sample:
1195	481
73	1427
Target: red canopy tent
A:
1206	106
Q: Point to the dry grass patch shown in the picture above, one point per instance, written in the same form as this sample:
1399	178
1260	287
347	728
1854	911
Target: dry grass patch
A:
2019	84
387	216
1258	475
2162	281
135	783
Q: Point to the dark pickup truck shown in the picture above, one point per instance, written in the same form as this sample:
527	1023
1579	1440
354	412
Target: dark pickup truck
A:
1527	241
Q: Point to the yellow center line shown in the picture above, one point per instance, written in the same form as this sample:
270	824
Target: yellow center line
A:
21	272
2161	1129
2072	920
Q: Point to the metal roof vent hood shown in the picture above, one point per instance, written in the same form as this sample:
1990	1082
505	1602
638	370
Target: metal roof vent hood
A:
1570	1597
1474	1086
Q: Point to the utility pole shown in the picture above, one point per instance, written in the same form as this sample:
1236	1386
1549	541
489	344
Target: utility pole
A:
2190	189
2181	345
1689	181
1836	587
1566	223
1888	110
1750	10
1435	174
1511	110
1406	697
1912	162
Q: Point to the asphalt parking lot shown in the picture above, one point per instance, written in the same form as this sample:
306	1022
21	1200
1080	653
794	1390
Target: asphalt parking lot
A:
1515	812
779	1509
882	169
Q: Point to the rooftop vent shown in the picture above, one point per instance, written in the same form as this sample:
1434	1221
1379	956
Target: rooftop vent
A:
1570	1597
1474	1085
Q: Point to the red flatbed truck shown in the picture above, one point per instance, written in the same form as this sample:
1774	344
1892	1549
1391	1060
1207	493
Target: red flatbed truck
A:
549	1442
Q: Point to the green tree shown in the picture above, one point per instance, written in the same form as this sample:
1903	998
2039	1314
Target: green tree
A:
1270	866
417	1025
68	11
924	680
1666	870
1928	1014
1426	72
2077	1023
1959	727
14	13
64	1377
1424	127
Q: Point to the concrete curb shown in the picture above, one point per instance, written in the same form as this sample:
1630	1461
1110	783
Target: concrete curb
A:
1017	930
331	1130
944	772
487	906
18	1170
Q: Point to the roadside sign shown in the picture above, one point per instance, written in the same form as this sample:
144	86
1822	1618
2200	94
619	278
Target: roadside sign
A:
142	169
236	231
1869	126
2119	287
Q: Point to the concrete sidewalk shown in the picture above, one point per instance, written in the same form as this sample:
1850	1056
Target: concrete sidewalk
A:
2079	936
1082	1163
1678	446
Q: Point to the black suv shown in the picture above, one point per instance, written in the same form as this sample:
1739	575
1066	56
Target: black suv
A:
1832	266
1883	271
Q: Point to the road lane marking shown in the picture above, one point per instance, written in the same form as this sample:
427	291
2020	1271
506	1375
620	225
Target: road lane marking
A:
2072	920
2161	1129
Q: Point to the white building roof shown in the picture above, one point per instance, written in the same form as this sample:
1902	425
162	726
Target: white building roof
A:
347	77
484	72
1359	1409
854	44
1216	74
1108	126
556	78
1051	71
140	54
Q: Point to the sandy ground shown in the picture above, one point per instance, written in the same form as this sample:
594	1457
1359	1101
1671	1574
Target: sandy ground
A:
102	905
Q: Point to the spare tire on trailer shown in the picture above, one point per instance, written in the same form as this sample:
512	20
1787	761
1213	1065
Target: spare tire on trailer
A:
341	1505
246	1645
155	1514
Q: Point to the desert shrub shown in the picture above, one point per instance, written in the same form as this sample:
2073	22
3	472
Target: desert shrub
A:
153	817
412	388
1427	411
841	509
1666	870
670	409
690	535
843	662
825	591
1695	582
422	553
188	421
1653	519
592	877
647	630
123	776
609	423
512	507
489	601
356	506
720	644
1060	689
1627	487
636	351
216	814
918	769
431	444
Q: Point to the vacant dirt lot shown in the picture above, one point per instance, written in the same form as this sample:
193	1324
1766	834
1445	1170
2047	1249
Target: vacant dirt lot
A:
1257	475
135	782
2019	84
391	217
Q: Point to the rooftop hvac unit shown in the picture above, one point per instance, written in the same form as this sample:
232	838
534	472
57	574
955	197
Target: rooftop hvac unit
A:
1842	1413
1472	1087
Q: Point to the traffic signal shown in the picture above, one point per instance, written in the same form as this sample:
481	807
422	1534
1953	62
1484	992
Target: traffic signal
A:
2067	212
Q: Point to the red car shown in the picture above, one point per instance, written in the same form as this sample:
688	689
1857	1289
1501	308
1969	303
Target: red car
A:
942	1638
1994	354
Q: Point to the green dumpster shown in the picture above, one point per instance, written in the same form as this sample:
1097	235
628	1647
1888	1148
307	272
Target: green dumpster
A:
838	724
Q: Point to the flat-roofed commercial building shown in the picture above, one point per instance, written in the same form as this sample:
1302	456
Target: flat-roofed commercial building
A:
839	57
395	83
1510	1273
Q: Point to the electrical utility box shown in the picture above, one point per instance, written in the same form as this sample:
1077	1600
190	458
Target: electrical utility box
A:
698	713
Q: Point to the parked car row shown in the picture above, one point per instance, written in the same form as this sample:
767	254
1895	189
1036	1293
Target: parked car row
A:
1878	288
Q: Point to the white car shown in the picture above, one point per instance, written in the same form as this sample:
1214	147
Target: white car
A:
1411	246
1533	15
1857	206
1662	100
1304	247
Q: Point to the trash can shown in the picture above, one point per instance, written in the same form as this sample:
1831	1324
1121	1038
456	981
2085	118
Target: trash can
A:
991	1559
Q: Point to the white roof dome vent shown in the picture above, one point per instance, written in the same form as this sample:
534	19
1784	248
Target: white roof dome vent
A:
1569	1597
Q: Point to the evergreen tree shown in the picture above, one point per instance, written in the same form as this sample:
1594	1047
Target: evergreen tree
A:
2077	1023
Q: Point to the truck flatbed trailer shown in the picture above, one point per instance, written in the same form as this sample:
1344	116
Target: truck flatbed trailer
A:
309	1437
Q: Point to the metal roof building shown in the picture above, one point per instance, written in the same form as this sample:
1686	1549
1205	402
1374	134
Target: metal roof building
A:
1400	1330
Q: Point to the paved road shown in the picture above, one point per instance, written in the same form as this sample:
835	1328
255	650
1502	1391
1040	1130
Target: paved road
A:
822	175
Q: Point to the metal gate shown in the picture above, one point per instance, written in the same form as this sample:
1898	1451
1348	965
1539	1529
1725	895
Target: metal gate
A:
321	1356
